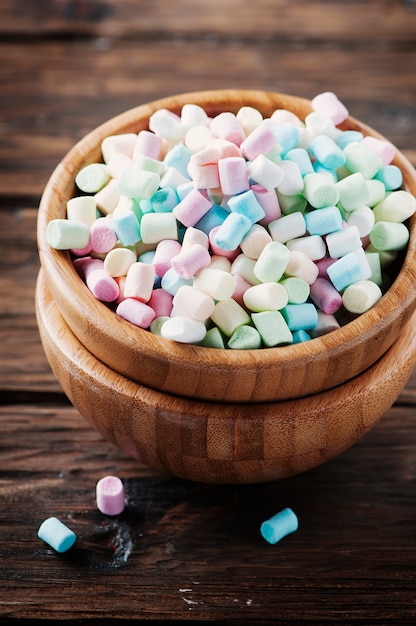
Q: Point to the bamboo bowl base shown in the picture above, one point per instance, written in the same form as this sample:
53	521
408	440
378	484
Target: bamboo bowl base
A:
218	442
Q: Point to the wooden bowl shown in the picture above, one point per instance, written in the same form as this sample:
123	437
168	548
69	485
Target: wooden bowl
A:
213	441
263	375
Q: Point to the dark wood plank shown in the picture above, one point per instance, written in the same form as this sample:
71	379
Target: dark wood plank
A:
186	551
55	92
370	21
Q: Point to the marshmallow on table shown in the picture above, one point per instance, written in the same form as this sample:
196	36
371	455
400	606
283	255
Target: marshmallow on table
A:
110	495
278	526
56	534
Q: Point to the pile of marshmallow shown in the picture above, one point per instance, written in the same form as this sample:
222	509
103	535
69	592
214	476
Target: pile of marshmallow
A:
238	231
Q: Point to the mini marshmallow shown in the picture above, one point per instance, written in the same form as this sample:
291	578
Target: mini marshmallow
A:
245	338
299	336
118	144
213	218
63	234
320	191
192	208
233	177
117	163
301	157
268	200
213	339
287	135
161	302
110	495
136	312
232	231
273	328
345	271
173	179
363	218
92	177
179	157
183	329
292	182
325	296
139	281
326	324
313	246
297	289
323	221
328	103
108	197
136	183
118	261
264	172
385	150
327	152
226	126
272	262
154	227
300	316
191	302
198	137
167	125
249	118
98	281
343	241
228	315
361	158
148	144
82	209
216	283
287	227
255	240
260	141
102	235
244	267
301	266
391	177
56	534
389	236
246	204
126	227
171	281
318	123
193	115
190	260
361	296
396	207
353	191
265	297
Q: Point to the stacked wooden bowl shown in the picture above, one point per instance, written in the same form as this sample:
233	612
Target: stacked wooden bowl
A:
219	415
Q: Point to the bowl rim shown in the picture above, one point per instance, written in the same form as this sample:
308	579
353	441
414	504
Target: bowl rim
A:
60	270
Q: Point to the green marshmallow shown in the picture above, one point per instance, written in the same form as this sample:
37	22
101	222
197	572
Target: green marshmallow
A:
213	339
320	191
92	177
297	289
389	236
360	158
63	234
272	328
157	324
245	338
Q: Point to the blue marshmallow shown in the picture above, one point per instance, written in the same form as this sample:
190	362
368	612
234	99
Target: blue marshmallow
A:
287	135
280	525
247	204
56	534
299	336
164	200
300	316
348	136
127	228
178	157
232	231
301	157
215	217
171	281
345	271
323	221
391	176
327	152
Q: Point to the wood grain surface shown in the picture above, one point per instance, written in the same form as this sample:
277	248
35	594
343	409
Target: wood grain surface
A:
184	552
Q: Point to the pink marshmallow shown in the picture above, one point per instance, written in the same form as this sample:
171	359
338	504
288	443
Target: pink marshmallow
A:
323	265
241	287
233	177
98	281
165	251
110	495
189	261
385	150
269	202
329	104
325	296
102	236
148	144
260	141
192	208
226	126
161	302
137	312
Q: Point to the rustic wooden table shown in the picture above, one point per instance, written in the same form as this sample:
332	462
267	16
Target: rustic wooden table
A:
184	551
